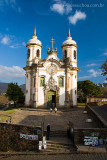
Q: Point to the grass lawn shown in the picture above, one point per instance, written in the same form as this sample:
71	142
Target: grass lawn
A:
10	111
3	118
81	104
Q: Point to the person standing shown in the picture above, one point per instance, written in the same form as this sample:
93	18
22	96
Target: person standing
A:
68	129
48	131
55	109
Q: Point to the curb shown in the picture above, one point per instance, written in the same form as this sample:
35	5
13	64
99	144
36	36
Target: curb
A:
54	153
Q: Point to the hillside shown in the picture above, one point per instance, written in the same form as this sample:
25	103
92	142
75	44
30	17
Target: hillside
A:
4	86
4	100
104	90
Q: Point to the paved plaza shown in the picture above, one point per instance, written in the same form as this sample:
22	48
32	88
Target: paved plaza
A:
58	121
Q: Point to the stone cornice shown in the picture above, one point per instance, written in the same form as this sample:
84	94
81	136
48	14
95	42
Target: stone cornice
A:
69	45
32	44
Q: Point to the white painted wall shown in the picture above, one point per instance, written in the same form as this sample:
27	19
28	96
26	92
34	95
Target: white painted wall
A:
74	88
47	77
27	97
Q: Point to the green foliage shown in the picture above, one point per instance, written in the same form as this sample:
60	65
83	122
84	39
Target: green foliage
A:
105	84
104	68
15	93
87	88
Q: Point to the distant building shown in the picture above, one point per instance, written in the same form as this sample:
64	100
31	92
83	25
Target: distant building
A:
51	81
97	98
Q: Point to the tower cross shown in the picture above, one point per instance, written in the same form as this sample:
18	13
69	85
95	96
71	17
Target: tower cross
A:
52	41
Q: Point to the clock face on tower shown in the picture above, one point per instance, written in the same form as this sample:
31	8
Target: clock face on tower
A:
52	69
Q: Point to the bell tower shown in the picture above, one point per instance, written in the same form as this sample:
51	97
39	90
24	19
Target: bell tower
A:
69	51
34	47
69	56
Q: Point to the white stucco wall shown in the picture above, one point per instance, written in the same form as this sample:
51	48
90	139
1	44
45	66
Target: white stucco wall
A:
73	91
27	97
43	72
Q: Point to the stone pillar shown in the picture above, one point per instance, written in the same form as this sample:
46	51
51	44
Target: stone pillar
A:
71	90
36	87
66	86
57	98
31	88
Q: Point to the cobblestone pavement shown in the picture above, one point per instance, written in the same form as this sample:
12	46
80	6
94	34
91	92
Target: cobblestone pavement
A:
58	121
57	157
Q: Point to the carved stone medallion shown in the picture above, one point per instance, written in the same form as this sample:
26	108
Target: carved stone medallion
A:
52	69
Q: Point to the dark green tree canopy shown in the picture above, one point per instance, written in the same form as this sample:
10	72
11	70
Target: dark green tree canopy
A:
87	88
15	93
104	68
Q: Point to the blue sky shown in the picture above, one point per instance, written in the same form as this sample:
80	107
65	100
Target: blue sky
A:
87	20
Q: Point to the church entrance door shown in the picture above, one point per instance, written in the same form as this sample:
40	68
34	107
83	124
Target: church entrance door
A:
51	98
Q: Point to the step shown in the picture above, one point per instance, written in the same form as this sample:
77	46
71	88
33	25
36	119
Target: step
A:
57	133
59	143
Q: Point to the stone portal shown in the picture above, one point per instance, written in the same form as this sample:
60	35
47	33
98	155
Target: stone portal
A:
51	99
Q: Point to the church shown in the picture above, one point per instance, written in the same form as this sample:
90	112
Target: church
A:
51	82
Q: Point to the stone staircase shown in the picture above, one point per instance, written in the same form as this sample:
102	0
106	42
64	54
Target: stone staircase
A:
59	143
57	133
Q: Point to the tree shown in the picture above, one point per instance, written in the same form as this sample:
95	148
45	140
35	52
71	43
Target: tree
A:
15	93
104	68
87	88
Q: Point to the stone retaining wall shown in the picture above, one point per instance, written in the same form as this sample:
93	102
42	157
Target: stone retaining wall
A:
10	137
96	116
80	133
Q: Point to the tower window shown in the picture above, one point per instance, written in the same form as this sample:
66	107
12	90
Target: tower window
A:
75	92
27	75
28	53
61	82
74	54
34	81
42	81
65	54
38	53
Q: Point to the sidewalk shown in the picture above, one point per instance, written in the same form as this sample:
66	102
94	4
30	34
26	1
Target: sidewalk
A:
80	150
90	149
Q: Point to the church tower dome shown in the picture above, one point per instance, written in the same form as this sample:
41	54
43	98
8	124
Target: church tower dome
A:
34	47
34	40
69	50
69	40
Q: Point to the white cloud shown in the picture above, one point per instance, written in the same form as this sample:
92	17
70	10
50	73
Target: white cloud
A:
11	72
61	7
93	74
23	44
105	81
11	41
68	8
92	64
77	16
15	46
58	8
18	45
105	54
84	77
5	40
4	4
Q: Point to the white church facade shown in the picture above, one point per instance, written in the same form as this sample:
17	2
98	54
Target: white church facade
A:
51	81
